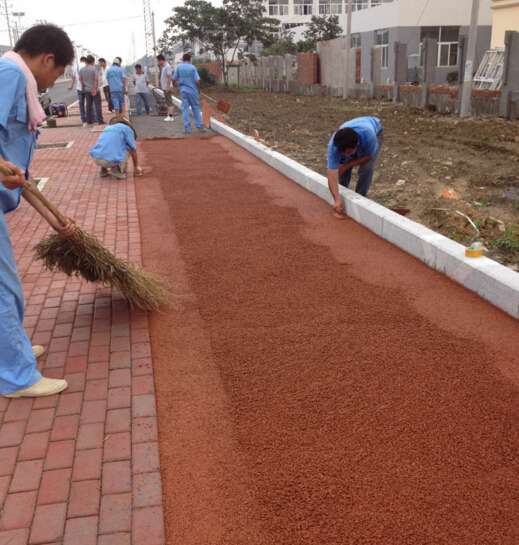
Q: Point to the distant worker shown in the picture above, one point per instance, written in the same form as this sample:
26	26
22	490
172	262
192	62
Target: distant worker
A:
89	77
357	143
79	88
114	148
189	86
117	82
141	82
166	84
104	84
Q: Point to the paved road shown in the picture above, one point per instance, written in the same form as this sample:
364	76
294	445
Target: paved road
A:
60	93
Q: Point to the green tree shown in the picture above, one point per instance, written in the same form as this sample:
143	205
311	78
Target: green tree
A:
283	44
305	46
322	28
219	29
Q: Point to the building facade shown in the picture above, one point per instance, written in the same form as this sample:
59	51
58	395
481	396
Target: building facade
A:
384	22
505	16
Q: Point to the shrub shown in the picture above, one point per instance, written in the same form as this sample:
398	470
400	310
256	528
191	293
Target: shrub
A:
206	78
452	78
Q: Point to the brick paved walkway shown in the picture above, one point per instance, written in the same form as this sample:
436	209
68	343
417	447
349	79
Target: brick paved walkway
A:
82	467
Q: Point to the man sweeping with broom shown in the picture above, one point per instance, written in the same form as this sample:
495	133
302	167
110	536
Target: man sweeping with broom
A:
38	59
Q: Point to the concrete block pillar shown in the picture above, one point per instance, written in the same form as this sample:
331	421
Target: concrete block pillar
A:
510	72
430	48
400	69
264	71
280	61
288	71
272	71
352	75
376	68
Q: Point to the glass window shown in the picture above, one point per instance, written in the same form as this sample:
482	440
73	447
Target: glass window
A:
278	7
303	7
448	39
356	40
359	5
382	39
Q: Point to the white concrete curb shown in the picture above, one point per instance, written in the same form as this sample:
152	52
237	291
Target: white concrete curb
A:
492	281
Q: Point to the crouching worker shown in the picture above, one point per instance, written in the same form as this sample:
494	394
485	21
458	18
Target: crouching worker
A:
114	147
39	58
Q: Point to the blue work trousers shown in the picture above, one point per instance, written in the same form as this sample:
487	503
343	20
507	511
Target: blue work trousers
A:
142	97
365	171
190	99
17	361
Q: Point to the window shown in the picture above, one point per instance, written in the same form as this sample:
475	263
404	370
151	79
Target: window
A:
327	7
355	40
278	7
359	5
448	40
382	39
303	7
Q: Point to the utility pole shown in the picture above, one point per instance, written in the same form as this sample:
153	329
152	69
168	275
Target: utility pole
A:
154	50
348	51
8	24
469	64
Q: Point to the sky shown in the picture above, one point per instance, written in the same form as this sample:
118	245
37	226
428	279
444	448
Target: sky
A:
105	27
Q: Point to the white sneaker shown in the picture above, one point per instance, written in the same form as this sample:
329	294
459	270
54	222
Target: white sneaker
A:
44	387
169	118
85	124
38	350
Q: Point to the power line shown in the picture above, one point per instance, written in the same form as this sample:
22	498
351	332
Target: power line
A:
418	22
105	21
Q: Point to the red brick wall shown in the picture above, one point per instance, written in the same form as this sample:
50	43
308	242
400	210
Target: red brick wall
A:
213	67
485	93
307	68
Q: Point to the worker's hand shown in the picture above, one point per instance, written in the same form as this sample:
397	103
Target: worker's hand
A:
138	171
168	88
64	231
70	88
338	206
94	92
12	182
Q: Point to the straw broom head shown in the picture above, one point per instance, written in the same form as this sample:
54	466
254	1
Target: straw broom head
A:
83	255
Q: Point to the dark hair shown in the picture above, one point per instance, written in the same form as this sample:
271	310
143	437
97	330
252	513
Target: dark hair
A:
120	60
186	57
101	60
48	39
90	59
82	59
137	66
345	139
161	57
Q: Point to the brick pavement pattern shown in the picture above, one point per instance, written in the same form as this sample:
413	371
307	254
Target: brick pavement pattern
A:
82	467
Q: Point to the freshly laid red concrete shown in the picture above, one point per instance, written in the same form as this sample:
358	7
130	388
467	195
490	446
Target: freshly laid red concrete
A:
75	468
314	383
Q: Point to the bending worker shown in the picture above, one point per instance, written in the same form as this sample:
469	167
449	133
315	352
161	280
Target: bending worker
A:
357	143
114	147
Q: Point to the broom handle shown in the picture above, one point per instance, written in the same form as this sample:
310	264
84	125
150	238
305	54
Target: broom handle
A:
209	97
39	195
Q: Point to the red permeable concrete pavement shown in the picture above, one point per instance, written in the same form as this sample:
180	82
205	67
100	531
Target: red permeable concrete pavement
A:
314	383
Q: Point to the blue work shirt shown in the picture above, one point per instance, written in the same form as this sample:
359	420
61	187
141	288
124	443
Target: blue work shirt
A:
113	143
367	129
115	75
187	76
17	144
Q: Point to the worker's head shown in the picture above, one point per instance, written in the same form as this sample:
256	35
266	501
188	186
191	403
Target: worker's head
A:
102	62
120	61
82	59
138	69
161	59
91	60
346	141
123	121
47	51
187	57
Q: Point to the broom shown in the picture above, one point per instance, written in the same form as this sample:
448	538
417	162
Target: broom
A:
83	255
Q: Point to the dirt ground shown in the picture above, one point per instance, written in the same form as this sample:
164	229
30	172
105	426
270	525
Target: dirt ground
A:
424	155
315	384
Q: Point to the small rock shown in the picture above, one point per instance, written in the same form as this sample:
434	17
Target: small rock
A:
406	133
447	163
400	182
404	163
448	177
502	228
516	138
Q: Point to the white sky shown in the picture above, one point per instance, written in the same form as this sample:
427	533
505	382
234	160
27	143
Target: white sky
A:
82	21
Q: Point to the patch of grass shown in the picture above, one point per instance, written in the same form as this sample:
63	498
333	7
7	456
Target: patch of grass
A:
478	223
508	242
243	88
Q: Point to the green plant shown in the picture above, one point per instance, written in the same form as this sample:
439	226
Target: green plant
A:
206	78
508	242
322	28
283	44
478	223
452	77
517	206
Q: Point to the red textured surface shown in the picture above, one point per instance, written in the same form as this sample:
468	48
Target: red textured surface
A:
316	385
